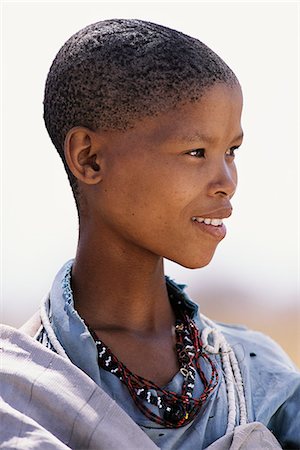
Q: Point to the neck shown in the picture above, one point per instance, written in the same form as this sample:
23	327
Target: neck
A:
120	288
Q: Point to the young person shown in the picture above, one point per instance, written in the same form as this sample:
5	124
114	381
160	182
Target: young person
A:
147	121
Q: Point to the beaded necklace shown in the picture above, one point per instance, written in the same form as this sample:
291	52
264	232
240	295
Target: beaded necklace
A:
174	410
211	341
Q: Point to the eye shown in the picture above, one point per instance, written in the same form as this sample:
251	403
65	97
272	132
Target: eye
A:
231	151
198	153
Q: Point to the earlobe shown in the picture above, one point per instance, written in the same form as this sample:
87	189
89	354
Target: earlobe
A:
81	155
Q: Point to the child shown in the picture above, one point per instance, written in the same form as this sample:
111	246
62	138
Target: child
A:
147	123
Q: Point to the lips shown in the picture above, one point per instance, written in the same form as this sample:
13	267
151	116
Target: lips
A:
212	223
217	232
220	213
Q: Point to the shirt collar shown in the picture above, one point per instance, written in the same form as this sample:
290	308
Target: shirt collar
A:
177	294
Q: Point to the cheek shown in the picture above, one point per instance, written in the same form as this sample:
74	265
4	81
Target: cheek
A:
234	174
146	197
129	192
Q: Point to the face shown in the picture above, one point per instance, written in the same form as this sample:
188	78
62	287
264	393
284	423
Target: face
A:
167	183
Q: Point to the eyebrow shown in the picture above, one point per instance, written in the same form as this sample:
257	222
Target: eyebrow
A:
206	138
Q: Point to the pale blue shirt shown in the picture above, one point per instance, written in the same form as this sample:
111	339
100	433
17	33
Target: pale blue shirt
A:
271	381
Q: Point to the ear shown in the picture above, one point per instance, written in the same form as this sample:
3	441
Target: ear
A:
83	155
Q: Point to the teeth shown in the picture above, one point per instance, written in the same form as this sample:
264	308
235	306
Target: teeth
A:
198	219
216	222
207	221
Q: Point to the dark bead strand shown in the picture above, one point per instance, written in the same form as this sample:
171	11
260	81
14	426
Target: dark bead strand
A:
178	409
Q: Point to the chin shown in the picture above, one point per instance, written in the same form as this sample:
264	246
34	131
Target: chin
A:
195	262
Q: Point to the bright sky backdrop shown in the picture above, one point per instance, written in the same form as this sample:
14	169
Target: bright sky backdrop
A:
259	257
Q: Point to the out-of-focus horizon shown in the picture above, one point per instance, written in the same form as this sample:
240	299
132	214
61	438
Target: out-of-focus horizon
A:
253	278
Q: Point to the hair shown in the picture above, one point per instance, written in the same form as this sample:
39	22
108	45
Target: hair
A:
114	72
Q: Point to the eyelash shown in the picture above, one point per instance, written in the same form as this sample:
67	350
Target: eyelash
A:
231	151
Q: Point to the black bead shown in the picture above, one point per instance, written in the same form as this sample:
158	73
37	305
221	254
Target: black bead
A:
153	400
184	357
176	414
143	394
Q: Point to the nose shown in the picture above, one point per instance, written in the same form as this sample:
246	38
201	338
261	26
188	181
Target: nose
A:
223	182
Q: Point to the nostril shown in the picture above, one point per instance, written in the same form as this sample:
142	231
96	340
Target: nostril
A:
222	194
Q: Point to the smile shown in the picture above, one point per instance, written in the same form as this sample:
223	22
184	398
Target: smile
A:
207	221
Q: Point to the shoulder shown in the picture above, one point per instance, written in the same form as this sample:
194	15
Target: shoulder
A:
271	381
33	325
267	370
257	346
46	397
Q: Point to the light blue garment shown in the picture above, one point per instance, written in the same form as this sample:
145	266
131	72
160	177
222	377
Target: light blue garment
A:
271	381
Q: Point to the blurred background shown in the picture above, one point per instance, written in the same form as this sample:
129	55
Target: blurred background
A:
253	278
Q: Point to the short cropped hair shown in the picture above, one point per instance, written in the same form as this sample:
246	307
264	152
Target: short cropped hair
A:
115	72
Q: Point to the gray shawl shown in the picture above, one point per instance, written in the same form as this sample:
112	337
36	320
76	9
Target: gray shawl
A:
48	403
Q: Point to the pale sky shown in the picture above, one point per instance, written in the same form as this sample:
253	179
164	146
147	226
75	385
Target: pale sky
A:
259	42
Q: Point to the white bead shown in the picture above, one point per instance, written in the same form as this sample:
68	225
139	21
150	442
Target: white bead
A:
108	361
102	352
231	370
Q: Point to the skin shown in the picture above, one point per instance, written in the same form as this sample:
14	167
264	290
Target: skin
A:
139	192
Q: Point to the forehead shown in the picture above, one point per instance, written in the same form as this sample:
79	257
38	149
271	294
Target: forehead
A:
216	114
215	118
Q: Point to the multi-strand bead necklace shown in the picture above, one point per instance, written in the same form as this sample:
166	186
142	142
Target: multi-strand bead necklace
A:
173	410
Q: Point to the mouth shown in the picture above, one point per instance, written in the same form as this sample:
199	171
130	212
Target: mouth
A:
212	226
207	221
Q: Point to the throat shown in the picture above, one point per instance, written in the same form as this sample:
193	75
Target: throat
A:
134	305
152	358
